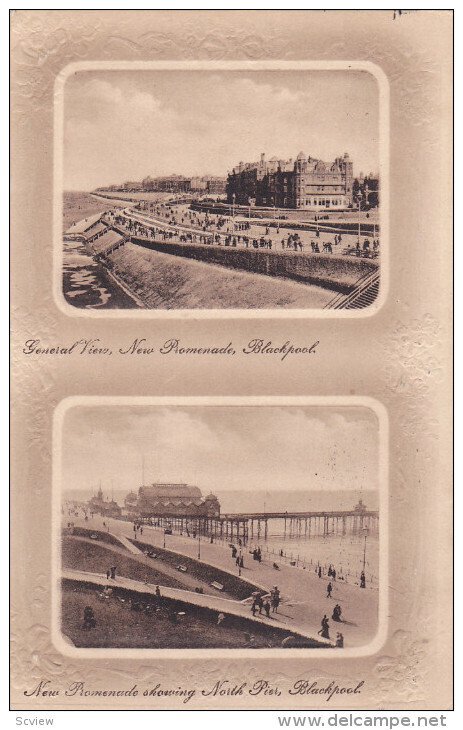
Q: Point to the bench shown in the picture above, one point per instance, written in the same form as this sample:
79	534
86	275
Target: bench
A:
218	586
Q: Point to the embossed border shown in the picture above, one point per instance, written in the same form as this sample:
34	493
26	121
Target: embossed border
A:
191	65
378	408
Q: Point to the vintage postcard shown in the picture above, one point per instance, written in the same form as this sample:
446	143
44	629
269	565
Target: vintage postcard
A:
256	552
231	392
233	227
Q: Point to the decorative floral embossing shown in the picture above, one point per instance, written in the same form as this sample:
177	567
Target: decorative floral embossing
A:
411	363
402	673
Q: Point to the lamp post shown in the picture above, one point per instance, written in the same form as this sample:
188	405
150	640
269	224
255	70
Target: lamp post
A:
359	200
365	535
199	540
233	212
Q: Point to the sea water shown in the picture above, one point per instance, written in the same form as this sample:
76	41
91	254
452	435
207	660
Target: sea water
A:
86	284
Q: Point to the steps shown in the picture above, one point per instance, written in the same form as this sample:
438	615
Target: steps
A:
363	295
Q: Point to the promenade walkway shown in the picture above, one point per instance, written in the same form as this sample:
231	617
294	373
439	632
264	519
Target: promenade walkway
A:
129	545
215	603
157	567
84	224
304	595
256	231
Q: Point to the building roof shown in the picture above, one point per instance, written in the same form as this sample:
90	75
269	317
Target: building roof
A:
159	491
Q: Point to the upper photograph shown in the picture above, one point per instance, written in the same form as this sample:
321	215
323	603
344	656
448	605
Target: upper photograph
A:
221	190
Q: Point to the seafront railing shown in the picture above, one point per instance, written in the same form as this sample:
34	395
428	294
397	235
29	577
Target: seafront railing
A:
345	573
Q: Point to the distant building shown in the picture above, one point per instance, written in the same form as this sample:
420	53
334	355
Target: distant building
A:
104	507
132	186
172	500
131	502
303	183
366	189
198	184
360	507
207	184
216	185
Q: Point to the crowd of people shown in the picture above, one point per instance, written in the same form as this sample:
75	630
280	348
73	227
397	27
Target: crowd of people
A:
266	603
190	226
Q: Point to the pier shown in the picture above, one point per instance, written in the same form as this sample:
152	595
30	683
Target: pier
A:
254	526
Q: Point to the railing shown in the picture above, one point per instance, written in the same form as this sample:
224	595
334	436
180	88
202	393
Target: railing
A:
341	301
344	573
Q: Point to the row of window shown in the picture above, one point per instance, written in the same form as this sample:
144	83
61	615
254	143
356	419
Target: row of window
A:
322	202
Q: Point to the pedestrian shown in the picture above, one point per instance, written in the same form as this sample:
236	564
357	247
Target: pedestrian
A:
362	579
254	607
339	640
324	632
337	613
108	574
113	572
275	599
319	571
267	608
89	618
329	590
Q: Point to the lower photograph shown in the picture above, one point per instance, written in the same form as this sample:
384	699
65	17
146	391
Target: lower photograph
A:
220	523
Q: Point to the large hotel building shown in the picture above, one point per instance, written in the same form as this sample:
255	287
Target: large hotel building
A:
304	183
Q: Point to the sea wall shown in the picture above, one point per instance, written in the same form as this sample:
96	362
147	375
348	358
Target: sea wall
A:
337	273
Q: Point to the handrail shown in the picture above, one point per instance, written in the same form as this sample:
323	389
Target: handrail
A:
340	301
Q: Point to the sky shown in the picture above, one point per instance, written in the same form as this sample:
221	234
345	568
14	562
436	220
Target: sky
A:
220	449
125	125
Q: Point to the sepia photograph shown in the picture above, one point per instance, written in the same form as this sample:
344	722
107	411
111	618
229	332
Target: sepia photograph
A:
221	190
231	339
223	527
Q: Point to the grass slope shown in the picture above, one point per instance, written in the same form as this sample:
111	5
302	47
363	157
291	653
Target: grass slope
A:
167	282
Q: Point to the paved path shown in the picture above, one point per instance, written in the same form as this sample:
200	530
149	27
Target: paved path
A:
129	545
216	603
255	231
348	240
304	600
161	567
